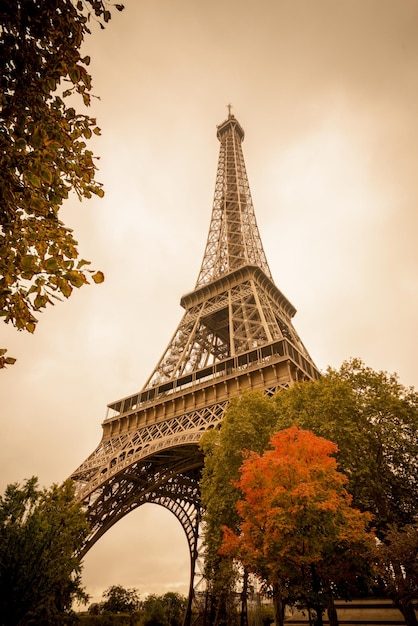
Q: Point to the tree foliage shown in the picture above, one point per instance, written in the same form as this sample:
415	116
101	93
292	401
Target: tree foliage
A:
298	531
41	532
175	606
120	600
370	416
165	610
247	425
123	605
373	419
397	561
43	151
153	611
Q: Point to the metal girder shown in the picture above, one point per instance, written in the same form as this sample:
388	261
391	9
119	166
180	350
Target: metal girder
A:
113	456
232	315
169	477
233	239
236	335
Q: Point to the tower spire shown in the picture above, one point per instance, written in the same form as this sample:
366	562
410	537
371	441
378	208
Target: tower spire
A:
234	240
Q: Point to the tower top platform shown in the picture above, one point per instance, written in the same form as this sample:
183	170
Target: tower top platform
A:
230	123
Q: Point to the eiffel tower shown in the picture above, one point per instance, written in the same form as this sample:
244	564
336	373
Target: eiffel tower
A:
235	335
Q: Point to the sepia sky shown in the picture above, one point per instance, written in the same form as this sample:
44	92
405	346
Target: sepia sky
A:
327	93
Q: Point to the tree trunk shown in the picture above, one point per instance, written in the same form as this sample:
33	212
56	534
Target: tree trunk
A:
332	613
278	606
316	588
318	621
407	610
244	593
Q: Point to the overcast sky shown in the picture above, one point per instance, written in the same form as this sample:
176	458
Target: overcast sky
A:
327	93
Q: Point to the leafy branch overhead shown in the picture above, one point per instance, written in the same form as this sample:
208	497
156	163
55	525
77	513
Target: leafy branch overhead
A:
43	151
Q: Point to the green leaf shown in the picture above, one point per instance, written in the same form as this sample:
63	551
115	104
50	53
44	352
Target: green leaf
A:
47	175
37	138
20	144
51	264
86	78
98	277
8	360
82	262
40	301
38	205
33	179
53	144
65	288
74	75
76	278
29	263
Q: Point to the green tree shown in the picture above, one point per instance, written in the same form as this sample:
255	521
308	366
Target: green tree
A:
166	610
298	530
153	612
247	425
120	600
370	416
174	608
373	419
43	151
41	532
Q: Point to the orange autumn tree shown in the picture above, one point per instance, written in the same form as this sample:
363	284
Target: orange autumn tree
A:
298	532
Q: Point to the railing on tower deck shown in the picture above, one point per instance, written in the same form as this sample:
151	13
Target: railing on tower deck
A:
253	359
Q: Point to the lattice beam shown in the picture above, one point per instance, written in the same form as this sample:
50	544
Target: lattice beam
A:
233	240
236	335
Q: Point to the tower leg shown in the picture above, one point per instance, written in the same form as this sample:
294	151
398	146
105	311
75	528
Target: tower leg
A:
188	617
196	576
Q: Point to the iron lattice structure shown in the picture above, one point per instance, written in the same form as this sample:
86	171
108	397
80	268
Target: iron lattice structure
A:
236	335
